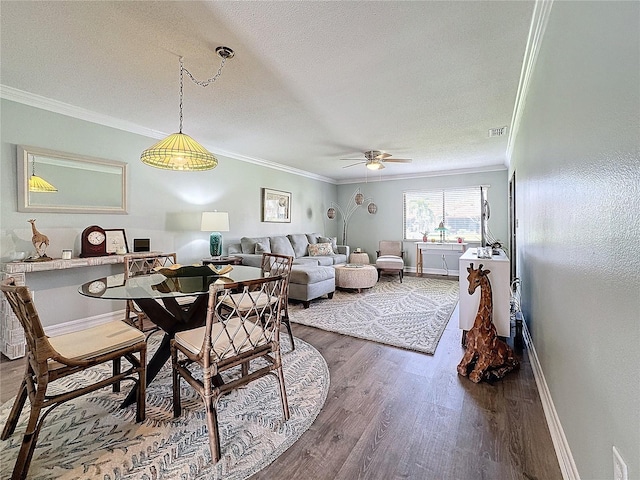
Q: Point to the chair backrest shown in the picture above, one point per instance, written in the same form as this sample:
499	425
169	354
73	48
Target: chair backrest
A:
390	247
277	264
143	264
38	347
250	318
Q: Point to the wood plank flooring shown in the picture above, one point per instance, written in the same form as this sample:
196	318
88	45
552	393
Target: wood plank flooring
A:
396	414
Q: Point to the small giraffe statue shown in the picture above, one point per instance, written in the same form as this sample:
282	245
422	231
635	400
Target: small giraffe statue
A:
39	240
490	357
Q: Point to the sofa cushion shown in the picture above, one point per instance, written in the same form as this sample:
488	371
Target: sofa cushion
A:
303	274
249	243
282	245
262	247
313	237
320	249
332	240
299	242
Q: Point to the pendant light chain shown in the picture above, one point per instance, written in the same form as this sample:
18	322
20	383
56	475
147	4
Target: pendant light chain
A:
181	85
208	81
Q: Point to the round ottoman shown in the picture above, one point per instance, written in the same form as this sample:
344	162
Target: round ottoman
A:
359	257
357	277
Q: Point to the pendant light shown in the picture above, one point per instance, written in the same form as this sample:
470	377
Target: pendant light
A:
39	184
179	151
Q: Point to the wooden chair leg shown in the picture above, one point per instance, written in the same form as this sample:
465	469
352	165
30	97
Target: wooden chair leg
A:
18	405
288	325
116	371
177	409
212	427
30	435
283	393
142	387
401	275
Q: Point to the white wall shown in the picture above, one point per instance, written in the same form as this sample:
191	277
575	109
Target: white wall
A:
164	206
577	164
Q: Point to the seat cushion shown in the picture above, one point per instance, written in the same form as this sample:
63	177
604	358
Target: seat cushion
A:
191	340
95	341
305	275
246	301
390	262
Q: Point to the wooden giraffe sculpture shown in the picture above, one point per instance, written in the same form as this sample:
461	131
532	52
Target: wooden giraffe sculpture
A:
488	355
39	240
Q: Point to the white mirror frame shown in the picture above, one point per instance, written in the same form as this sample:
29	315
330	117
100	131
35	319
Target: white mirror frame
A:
24	153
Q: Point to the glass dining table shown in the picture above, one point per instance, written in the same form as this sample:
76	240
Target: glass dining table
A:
157	296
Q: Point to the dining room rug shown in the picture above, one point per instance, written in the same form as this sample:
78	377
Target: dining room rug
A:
92	437
410	315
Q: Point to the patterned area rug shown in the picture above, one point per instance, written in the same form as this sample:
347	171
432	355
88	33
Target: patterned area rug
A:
91	437
411	315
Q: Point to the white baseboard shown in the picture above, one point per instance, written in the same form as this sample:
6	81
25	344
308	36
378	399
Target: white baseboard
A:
560	444
82	323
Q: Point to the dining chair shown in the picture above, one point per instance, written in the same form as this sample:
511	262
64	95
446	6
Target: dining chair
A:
143	264
52	358
390	258
273	264
250	331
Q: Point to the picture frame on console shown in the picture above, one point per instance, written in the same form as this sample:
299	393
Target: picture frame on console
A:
276	206
116	241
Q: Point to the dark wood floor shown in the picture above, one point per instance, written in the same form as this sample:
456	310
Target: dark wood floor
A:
396	414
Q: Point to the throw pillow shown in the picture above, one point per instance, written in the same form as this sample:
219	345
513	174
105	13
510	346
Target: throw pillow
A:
261	248
332	240
320	249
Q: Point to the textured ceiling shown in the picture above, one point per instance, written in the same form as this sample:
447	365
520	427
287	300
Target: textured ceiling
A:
311	82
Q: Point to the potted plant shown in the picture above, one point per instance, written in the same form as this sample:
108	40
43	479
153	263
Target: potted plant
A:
424	236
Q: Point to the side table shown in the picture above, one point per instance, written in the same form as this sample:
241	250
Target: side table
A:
230	260
359	258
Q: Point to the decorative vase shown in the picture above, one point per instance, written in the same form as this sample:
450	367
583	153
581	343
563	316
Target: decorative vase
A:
424	238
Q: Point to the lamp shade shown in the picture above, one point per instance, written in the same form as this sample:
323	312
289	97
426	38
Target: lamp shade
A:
215	222
39	184
375	166
179	152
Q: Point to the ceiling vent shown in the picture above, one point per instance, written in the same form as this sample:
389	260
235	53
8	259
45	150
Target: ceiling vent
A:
497	132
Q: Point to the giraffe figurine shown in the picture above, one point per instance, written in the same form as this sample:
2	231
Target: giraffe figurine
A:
489	356
39	240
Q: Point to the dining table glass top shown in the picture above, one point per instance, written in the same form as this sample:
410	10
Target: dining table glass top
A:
157	285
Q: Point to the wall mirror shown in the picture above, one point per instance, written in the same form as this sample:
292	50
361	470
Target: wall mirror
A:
83	184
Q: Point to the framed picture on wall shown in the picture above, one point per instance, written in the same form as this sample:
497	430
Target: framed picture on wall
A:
116	240
276	206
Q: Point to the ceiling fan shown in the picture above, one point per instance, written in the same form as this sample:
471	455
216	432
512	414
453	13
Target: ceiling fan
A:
375	160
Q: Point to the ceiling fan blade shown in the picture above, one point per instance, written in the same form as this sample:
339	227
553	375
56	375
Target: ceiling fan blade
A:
382	155
353	164
398	160
352	159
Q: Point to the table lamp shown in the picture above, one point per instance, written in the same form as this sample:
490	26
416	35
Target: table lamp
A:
215	222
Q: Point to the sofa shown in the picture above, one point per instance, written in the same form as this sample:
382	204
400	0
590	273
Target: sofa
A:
312	273
250	249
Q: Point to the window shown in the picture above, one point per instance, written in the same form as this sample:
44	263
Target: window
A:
459	209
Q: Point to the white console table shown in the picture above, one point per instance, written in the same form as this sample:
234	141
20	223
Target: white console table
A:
499	277
436	248
12	340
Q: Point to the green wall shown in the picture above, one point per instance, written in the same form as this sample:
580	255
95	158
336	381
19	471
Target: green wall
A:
164	206
577	166
366	230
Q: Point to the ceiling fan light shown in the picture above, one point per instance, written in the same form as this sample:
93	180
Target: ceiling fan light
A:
375	166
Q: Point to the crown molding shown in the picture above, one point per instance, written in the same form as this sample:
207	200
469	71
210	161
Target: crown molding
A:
539	19
55	106
439	173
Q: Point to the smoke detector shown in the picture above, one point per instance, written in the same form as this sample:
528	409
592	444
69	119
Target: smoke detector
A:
497	132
